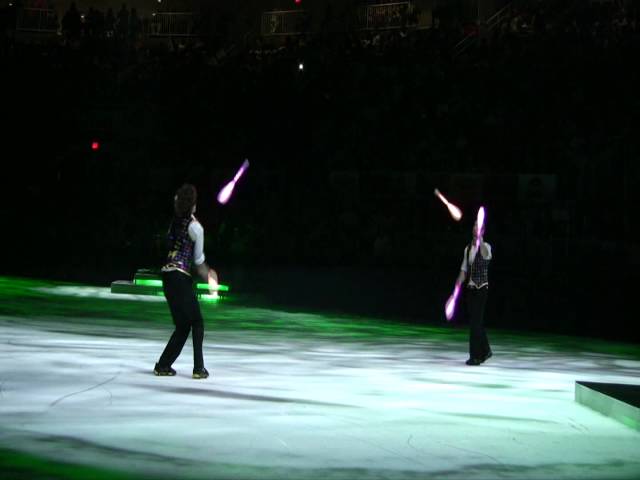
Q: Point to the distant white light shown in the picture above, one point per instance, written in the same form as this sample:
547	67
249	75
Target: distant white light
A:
301	66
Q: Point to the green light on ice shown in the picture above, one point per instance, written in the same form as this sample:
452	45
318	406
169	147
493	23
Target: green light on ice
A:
209	298
205	297
158	283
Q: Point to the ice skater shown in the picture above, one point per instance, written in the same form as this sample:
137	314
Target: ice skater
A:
475	270
186	243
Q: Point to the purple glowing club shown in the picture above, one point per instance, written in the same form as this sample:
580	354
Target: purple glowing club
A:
225	193
450	306
480	224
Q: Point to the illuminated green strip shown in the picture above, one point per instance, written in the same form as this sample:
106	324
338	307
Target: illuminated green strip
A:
158	283
205	297
209	298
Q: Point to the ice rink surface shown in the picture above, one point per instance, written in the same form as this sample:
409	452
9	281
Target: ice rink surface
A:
299	395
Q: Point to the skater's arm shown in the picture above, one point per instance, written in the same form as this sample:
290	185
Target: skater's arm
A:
206	273
485	250
463	269
203	271
196	232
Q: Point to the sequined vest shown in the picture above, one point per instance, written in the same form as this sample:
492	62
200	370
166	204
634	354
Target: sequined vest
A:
180	245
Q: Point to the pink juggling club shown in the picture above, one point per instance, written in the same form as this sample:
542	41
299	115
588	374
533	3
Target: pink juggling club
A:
480	224
455	212
450	306
225	193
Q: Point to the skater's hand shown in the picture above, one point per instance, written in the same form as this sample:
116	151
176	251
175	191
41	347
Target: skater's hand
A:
212	280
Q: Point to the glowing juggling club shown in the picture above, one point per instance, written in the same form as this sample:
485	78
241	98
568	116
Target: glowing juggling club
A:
479	225
455	212
450	306
225	193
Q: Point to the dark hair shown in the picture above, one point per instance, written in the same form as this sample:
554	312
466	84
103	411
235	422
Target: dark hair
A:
186	197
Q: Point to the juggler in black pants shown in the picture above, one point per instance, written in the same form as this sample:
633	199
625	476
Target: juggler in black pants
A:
478	342
185	310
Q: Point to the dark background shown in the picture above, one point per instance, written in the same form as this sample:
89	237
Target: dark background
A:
537	120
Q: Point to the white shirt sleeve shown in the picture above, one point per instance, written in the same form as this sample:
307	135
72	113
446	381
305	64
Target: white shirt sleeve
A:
196	232
489	256
463	267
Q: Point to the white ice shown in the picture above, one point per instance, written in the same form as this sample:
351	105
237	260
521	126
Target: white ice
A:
277	407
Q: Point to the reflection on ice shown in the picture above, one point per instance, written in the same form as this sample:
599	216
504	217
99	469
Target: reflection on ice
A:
96	292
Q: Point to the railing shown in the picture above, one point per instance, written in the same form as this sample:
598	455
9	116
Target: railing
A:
284	22
37	20
488	25
496	19
170	24
384	16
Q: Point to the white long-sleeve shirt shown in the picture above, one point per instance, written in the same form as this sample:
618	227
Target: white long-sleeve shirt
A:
196	233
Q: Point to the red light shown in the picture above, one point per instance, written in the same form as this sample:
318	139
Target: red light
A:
297	2
95	146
